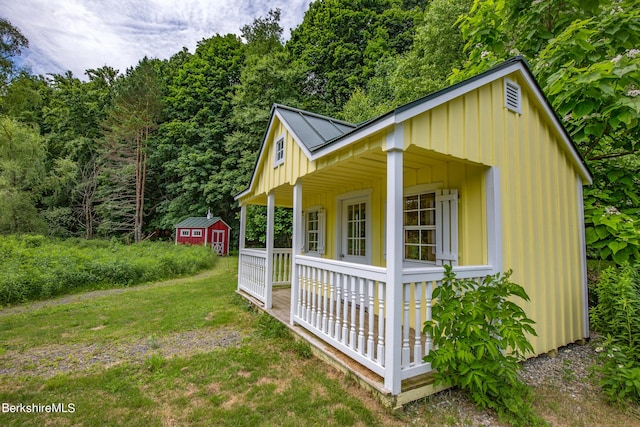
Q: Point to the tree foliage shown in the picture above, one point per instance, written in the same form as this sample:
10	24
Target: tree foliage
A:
12	41
355	60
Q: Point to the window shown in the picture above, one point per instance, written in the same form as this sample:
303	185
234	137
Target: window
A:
431	226
512	97
278	153
420	227
314	226
196	233
185	233
357	229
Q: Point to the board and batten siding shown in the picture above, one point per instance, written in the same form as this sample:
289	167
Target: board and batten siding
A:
541	231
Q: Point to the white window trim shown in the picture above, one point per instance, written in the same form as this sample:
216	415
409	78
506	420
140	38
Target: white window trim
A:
441	257
512	96
196	233
277	141
185	232
365	195
321	230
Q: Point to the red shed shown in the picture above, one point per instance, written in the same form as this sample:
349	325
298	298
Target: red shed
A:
209	230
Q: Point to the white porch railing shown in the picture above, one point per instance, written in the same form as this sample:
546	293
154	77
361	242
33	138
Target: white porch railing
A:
252	267
339	302
417	287
282	266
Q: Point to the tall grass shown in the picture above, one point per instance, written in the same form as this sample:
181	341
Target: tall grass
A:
35	267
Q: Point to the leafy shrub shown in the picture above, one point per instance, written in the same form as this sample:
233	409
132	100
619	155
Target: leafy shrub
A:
617	315
35	267
611	235
479	338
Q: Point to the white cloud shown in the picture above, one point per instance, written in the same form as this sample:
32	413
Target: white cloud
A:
80	34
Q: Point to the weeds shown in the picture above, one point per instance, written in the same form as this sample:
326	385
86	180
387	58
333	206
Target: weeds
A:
35	267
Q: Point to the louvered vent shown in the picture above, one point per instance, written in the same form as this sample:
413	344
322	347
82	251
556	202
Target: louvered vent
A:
512	97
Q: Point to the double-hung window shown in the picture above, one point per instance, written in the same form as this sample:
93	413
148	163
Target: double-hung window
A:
431	226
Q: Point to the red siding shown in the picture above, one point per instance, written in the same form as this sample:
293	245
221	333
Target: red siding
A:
209	234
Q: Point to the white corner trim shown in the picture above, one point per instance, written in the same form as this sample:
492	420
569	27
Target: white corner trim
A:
494	219
583	256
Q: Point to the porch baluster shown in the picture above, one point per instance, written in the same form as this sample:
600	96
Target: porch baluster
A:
345	310
338	325
417	343
300	289
314	295
370	307
352	321
361	291
325	291
429	291
381	314
332	296
406	351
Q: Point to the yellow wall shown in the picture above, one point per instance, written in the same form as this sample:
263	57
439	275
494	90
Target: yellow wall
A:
539	199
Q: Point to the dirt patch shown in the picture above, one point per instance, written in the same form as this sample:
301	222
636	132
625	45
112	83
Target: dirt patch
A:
48	361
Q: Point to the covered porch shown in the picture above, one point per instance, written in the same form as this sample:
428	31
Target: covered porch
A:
342	310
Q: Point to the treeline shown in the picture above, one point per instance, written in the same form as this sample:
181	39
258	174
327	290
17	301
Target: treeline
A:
133	153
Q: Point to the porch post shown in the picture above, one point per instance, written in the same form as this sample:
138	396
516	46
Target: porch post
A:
271	199
395	146
243	227
241	243
296	247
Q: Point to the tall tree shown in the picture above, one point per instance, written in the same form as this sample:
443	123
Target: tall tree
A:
135	114
12	41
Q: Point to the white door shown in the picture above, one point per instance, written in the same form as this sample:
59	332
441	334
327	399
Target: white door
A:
217	241
356	230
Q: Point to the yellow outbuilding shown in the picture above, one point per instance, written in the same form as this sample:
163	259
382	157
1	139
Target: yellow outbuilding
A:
480	175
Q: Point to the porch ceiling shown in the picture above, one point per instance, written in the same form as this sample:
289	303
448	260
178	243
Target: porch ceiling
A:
353	170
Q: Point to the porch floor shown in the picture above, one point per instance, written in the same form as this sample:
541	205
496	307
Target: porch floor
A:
412	388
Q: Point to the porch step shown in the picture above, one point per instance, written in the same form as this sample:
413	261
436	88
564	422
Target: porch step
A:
412	389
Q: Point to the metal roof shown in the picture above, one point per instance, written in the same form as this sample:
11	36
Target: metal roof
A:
198	222
313	130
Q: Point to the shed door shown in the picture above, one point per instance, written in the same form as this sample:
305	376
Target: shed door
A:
217	241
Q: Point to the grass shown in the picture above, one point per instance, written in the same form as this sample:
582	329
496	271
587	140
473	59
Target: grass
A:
263	378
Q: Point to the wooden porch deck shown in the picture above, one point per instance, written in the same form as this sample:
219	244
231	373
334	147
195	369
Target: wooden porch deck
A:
412	389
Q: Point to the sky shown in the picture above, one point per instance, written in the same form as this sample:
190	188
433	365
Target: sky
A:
77	35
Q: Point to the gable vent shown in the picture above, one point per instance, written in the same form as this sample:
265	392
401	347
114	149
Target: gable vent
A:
512	96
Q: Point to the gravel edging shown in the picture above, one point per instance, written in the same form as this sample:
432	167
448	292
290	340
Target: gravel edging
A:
51	360
568	372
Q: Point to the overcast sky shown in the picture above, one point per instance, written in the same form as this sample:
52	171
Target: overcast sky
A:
80	34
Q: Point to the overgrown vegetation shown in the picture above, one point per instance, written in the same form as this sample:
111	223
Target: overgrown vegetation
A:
617	317
479	337
35	267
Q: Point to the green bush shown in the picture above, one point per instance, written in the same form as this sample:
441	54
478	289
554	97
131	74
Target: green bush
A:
35	267
617	315
479	337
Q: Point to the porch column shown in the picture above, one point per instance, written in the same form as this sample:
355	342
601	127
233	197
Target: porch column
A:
296	247
271	199
393	338
241	234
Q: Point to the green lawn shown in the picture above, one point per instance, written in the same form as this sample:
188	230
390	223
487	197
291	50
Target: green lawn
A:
262	378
